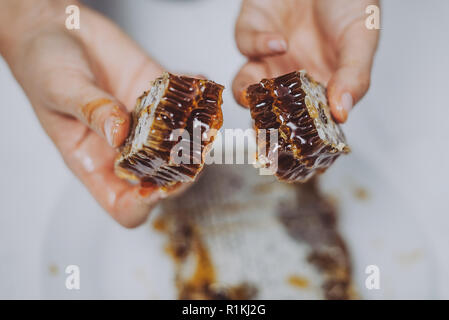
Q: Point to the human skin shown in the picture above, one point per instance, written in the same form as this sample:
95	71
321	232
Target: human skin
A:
328	38
82	85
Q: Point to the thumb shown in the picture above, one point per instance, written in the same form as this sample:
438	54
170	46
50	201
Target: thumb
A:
351	80
252	72
80	97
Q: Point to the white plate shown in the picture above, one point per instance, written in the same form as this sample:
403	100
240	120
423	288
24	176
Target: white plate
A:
379	229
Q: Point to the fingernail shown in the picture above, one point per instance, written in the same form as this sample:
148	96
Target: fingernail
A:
277	45
345	105
243	98
149	195
346	101
111	127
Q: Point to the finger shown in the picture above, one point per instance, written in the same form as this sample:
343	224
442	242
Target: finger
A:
252	72
92	161
76	95
257	44
128	204
351	80
256	36
129	60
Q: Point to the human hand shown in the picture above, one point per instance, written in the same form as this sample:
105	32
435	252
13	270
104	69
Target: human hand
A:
82	85
328	38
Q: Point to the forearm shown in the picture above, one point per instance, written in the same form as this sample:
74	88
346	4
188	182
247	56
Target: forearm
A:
20	19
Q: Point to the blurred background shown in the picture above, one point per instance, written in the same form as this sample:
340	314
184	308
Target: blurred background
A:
398	134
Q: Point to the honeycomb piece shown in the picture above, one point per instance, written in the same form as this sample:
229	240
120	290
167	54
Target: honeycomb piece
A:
178	115
296	106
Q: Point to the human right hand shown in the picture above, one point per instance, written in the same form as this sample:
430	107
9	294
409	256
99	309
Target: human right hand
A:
328	38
